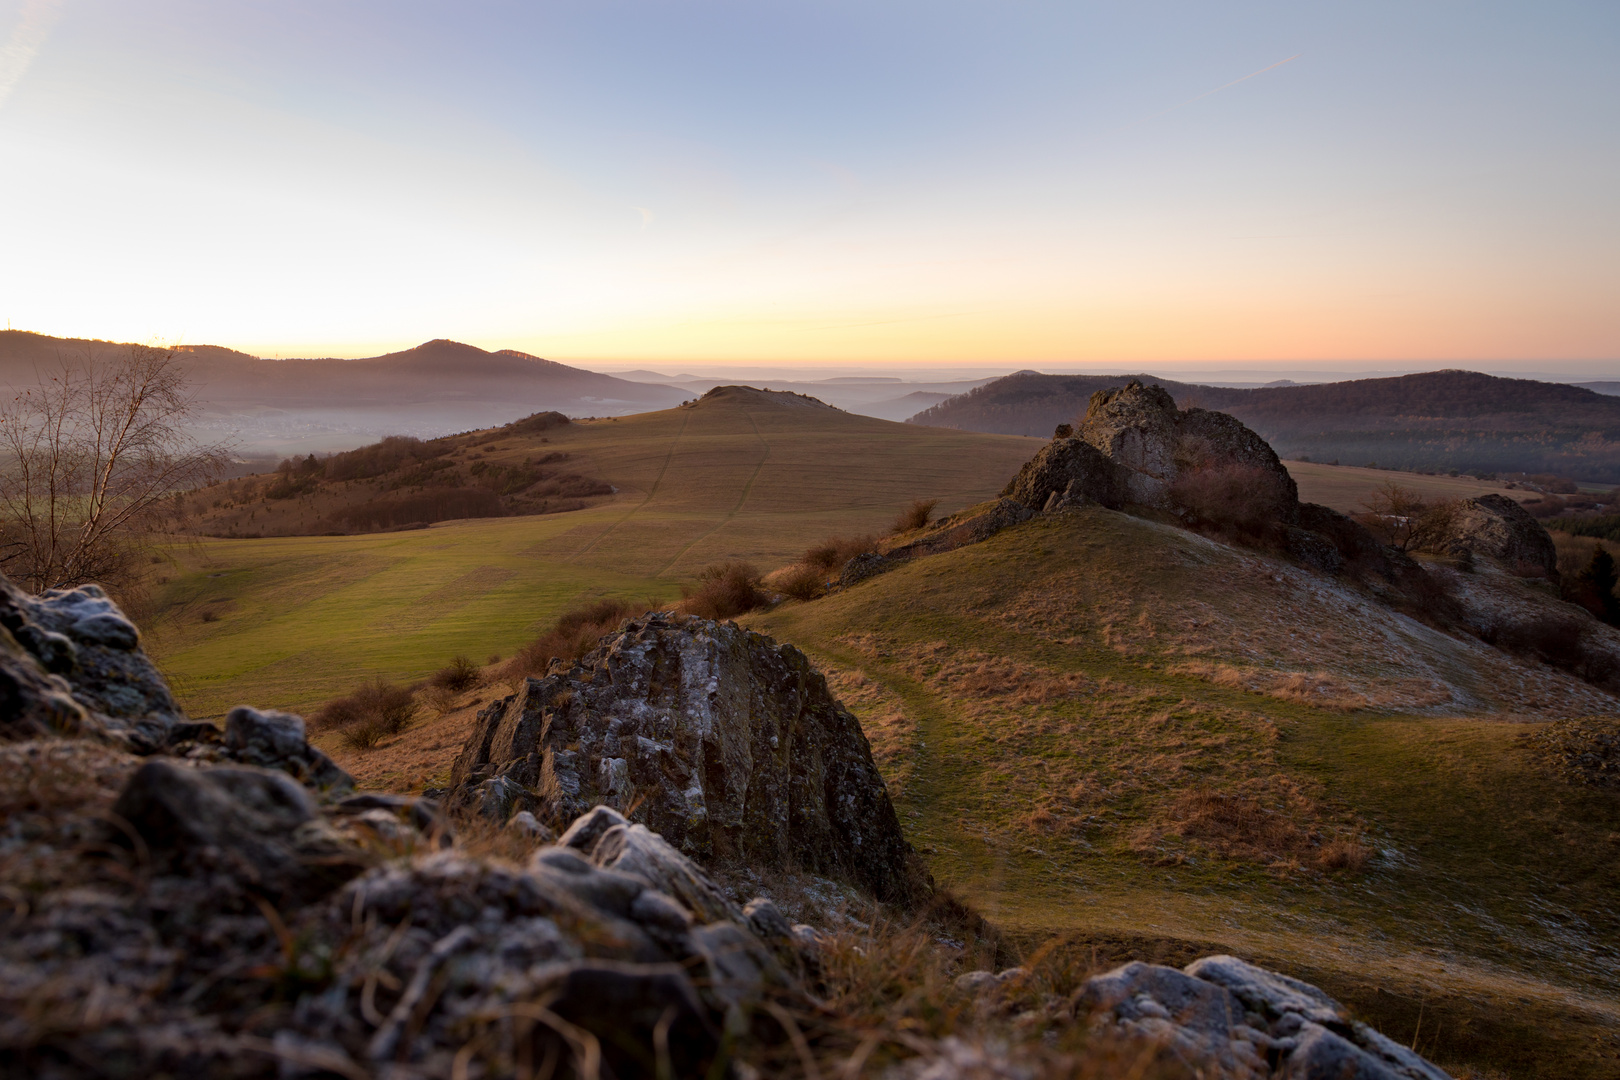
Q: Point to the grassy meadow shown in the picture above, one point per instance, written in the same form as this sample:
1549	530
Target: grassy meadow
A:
1050	709
290	622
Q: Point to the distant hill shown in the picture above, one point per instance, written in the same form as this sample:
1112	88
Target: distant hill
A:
1438	420
279	407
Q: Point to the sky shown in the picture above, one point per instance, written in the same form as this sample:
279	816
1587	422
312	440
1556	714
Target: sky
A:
866	186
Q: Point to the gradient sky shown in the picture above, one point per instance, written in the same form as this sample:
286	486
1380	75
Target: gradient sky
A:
668	183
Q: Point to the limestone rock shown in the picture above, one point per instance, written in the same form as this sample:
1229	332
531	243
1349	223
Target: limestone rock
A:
1496	526
868	564
1135	427
727	744
1225	1017
82	637
1072	469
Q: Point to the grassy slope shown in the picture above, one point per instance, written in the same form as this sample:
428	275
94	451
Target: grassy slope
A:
740	475
1042	738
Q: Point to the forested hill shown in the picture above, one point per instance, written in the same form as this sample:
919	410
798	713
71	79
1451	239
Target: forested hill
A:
1436	420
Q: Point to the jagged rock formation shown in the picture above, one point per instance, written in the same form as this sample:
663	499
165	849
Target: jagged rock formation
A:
1134	445
1497	527
725	742
1223	1017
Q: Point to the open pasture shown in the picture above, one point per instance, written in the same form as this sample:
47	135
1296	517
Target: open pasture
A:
289	622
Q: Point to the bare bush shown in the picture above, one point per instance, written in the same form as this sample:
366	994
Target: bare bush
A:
724	591
576	633
800	581
383	704
460	674
914	516
1236	501
363	734
93	453
834	552
1403	519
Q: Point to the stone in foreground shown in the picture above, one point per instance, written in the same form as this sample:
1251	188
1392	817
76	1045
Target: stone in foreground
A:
726	743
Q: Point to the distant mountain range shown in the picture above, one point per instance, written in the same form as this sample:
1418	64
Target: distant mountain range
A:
275	407
1438	420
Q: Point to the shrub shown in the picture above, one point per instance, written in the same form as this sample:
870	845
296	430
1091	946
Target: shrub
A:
387	706
914	516
363	735
1403	519
724	591
800	581
460	674
834	552
576	633
1237	501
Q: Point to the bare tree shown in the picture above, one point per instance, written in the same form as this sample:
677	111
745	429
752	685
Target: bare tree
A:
1404	520
88	456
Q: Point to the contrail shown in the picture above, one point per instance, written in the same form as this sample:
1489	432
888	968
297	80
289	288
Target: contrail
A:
1218	89
27	38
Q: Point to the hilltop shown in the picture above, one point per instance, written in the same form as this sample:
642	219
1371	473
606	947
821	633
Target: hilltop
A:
304	405
1434	421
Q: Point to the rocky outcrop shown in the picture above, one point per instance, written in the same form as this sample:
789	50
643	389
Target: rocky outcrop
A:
723	741
1071	469
1499	528
1133	447
73	664
1223	1017
973	525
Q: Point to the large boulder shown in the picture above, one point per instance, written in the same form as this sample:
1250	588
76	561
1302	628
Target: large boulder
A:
1135	446
1496	526
726	743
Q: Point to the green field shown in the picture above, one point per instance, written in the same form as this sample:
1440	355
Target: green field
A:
1034	702
291	622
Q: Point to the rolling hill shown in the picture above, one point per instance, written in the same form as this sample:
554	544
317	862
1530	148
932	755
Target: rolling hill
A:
1114	732
738	474
1435	421
281	407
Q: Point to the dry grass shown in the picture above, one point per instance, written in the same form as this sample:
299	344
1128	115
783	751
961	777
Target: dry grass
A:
888	727
1262	823
1315	688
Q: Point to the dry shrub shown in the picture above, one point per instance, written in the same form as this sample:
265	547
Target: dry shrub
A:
914	516
724	591
576	633
438	699
461	674
832	553
365	717
1235	502
800	581
363	734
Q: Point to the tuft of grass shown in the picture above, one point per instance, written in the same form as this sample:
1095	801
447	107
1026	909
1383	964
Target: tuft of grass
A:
914	516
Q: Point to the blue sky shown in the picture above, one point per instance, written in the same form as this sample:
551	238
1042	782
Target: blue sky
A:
945	183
